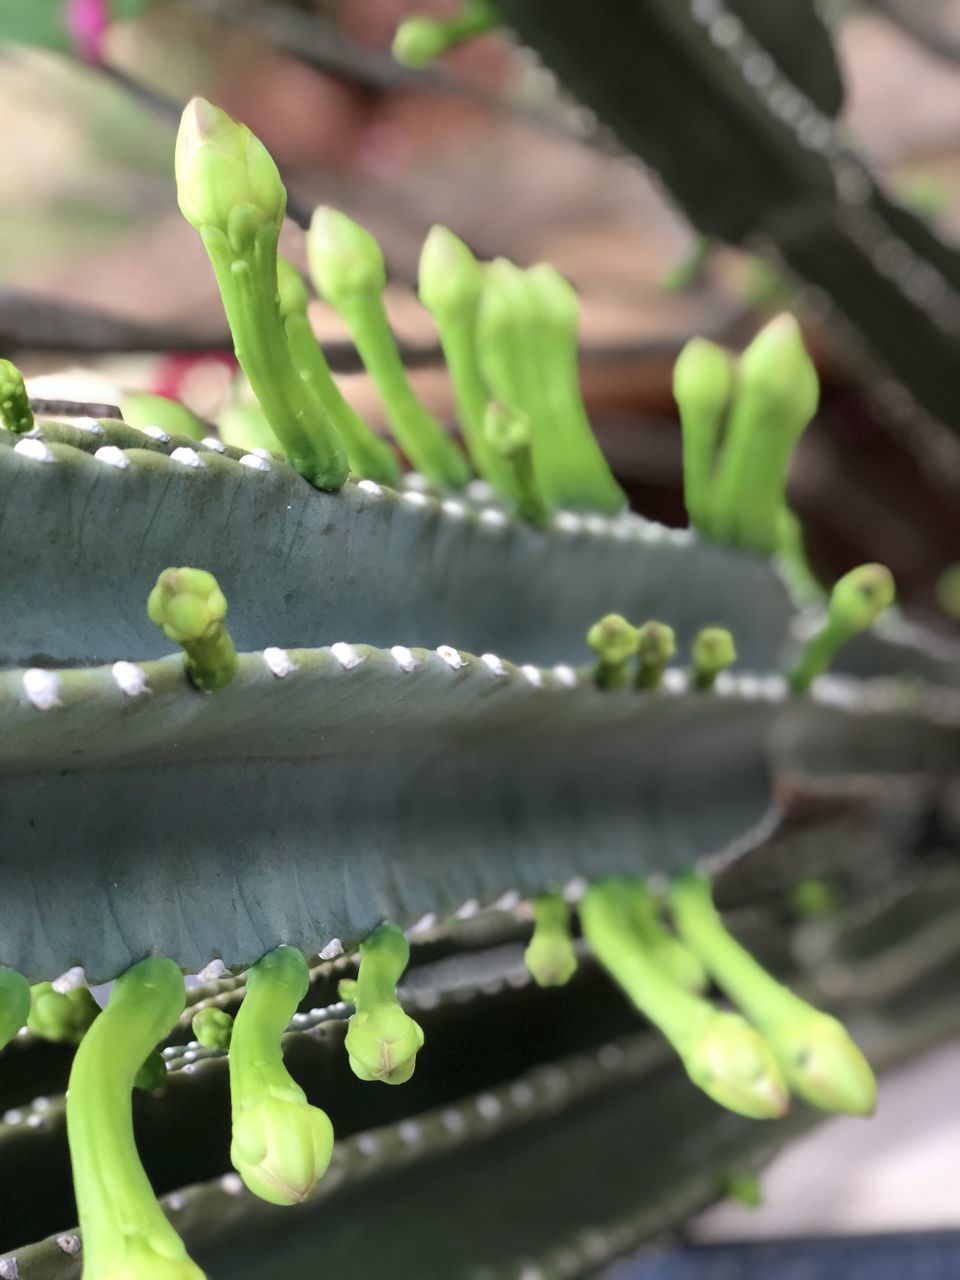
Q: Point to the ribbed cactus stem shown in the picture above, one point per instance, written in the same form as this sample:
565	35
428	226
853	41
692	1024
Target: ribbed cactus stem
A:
382	1040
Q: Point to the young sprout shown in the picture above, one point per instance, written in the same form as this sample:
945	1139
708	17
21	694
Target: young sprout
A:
820	1060
64	1017
550	955
14	1004
347	269
656	645
189	608
421	39
281	1145
142	409
507	433
776	395
703	379
722	1054
370	457
856	602
126	1234
674	959
450	286
712	651
614	641
230	191
15	412
152	1074
213	1028
382	1041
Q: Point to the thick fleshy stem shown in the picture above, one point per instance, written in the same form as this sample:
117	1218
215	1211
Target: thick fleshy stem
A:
820	1060
347	269
64	1017
15	412
14	1004
213	1028
722	1054
550	956
144	409
189	608
370	457
281	1144
614	641
674	959
450	285
856	602
125	1232
703	379
382	1041
507	432
776	396
656	645
712	651
421	39
230	191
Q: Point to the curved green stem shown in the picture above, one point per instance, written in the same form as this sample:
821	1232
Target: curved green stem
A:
125	1232
382	1041
550	955
702	385
14	1004
856	601
674	959
820	1060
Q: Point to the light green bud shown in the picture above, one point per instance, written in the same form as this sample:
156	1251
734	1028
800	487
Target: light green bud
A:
63	1017
776	367
15	412
824	1065
613	639
550	956
382	1043
419	41
712	651
213	1028
703	377
860	596
187	604
450	278
345	259
281	1146
732	1063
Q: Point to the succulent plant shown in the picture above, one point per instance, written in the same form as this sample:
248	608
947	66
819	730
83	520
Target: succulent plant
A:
347	755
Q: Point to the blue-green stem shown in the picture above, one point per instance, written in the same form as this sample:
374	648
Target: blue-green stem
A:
382	1041
189	607
281	1145
125	1232
721	1053
550	956
820	1060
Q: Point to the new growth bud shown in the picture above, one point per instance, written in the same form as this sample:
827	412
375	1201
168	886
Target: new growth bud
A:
213	1028
550	955
856	602
656	645
63	1017
712	651
614	641
15	412
345	259
735	1066
702	386
382	1041
450	278
189	608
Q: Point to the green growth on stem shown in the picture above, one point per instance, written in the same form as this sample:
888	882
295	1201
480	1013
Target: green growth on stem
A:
856	602
64	1017
507	432
550	955
722	1053
126	1235
819	1059
14	1004
614	641
189	608
370	457
527	342
15	412
152	1074
143	409
347	269
281	1144
656	645
230	191
421	39
382	1041
213	1028
712	651
672	957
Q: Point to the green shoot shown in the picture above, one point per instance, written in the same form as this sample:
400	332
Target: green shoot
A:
856	602
507	433
550	955
189	608
421	39
614	641
712	651
63	1017
656	645
382	1041
213	1028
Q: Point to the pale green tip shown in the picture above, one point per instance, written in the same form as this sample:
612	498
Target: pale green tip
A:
15	412
382	1043
186	604
551	957
712	651
450	278
776	365
420	41
344	258
703	378
281	1147
860	597
734	1065
14	1003
291	289
152	1075
613	639
63	1017
220	167
824	1065
213	1028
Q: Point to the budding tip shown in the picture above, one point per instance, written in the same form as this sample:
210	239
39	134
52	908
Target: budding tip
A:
613	639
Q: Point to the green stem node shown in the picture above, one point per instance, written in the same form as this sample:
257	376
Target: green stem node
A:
856	602
126	1235
281	1145
189	608
550	956
15	412
213	1028
382	1041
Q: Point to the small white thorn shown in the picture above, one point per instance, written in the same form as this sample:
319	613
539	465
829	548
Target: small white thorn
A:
450	656
211	442
416	480
112	456
368	1144
480	491
88	424
36	450
409	1133
725	684
488	1106
597	525
566	675
158	433
346	655
9	1269
370	486
176	1202
42	688
453	1121
403	657
129	678
279	661
333	949
507	901
69	1244
453	508
494	517
262	453
675	680
254	462
493	662
214	971
468	909
533	675
568	522
423	925
187	457
232	1184
416	499
72	980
